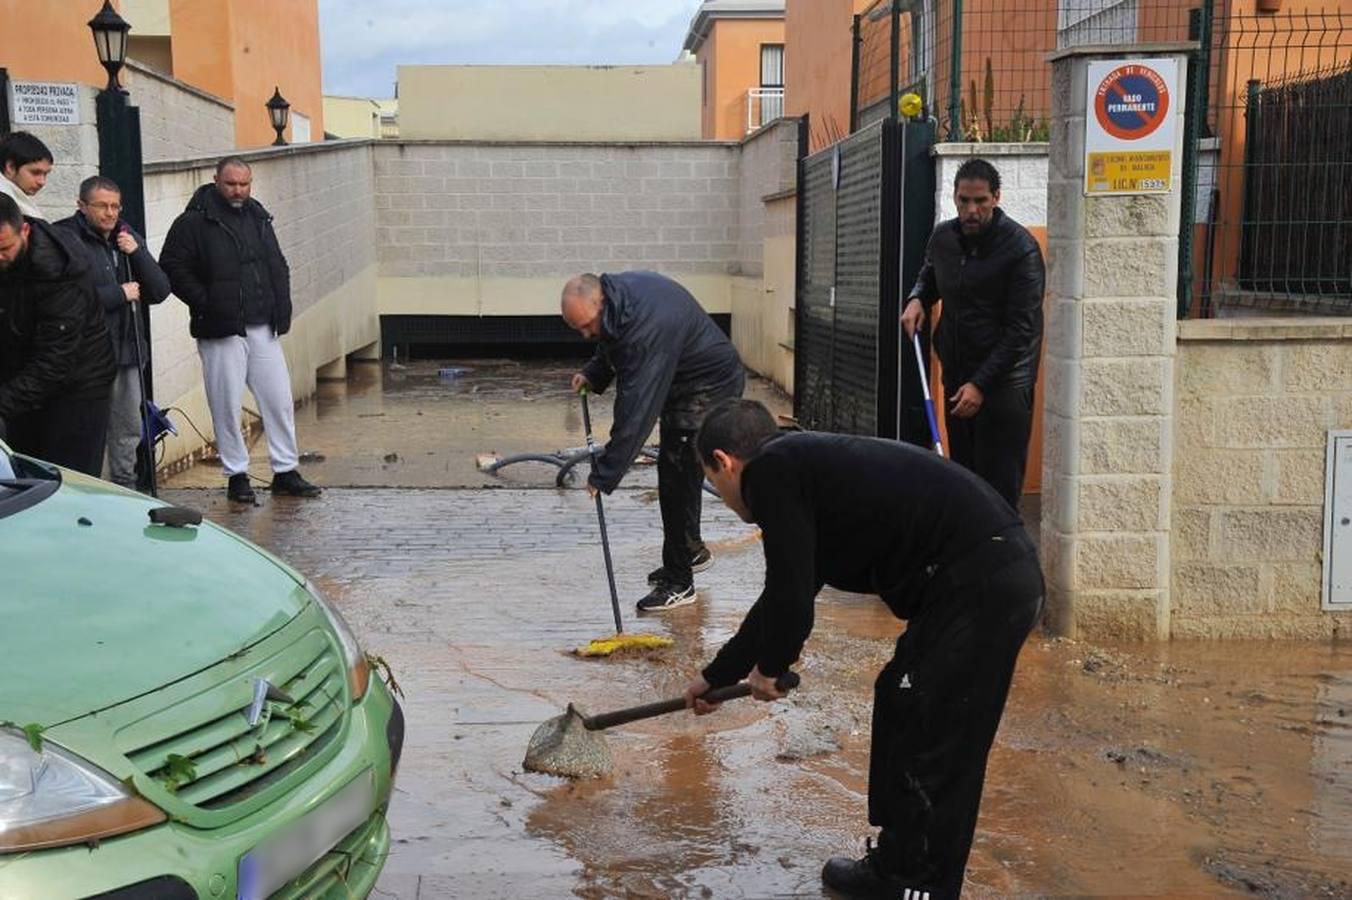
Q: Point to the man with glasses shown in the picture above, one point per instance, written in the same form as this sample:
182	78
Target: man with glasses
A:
123	273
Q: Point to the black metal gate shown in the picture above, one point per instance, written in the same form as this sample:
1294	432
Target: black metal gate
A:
865	210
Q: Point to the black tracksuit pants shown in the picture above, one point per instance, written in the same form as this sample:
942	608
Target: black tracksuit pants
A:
680	481
937	706
68	432
994	442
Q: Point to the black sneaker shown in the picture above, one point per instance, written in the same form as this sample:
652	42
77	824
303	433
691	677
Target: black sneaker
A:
866	878
238	489
290	484
699	562
667	596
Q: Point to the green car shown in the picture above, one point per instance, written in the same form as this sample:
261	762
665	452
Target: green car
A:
182	715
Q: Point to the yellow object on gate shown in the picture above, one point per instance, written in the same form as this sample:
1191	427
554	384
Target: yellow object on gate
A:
911	105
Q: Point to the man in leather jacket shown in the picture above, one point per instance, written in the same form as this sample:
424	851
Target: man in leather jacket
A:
988	271
670	363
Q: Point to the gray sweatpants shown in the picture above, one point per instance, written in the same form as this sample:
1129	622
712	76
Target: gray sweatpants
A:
228	365
124	427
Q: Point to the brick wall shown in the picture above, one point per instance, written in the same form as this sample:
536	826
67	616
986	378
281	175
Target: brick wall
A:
1255	400
767	165
485	211
178	120
75	149
1023	178
322	199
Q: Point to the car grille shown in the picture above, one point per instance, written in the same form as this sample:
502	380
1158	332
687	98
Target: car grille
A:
230	761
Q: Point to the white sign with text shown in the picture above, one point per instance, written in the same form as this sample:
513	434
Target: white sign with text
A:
45	102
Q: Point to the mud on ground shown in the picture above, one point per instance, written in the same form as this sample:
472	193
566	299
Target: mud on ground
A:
1145	770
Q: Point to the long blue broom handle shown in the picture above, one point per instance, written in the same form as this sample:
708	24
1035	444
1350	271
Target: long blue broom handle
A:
929	401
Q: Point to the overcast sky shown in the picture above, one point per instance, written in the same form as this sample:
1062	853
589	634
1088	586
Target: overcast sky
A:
364	40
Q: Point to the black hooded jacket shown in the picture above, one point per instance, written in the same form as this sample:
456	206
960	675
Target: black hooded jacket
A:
991	331
860	514
227	266
110	268
53	339
668	359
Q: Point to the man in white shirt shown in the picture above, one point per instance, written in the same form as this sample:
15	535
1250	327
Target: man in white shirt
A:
25	163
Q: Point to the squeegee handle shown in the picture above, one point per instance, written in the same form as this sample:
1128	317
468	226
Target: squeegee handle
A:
786	682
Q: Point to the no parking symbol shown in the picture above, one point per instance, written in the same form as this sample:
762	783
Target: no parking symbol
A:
1130	127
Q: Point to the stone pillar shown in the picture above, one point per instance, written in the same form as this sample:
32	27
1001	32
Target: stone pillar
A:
1108	406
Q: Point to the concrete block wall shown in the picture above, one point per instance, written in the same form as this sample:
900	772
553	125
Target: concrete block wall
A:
1109	390
1255	400
466	228
178	121
1023	179
767	165
322	198
75	150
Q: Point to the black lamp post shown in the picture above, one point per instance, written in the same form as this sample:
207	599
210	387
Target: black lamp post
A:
279	111
110	40
119	130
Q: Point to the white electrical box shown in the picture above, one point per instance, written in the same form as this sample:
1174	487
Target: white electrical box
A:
1338	523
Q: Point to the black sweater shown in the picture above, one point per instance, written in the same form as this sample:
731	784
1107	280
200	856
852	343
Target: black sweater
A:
860	514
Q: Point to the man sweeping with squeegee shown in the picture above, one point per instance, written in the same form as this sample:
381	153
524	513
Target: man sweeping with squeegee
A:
670	361
946	554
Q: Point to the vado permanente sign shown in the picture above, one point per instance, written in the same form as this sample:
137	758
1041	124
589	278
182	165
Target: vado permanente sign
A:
1131	127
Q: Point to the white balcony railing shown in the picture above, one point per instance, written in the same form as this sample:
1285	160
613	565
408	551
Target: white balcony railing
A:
763	105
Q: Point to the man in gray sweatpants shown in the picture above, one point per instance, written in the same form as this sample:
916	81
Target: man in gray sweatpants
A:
224	262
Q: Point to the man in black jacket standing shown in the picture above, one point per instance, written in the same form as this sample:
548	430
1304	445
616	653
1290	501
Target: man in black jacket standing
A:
56	362
123	274
670	362
945	553
224	262
988	271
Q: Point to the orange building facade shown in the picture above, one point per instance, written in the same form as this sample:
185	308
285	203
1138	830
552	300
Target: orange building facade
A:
238	50
739	47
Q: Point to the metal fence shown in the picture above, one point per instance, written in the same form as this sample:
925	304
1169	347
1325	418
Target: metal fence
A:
980	66
1271	228
845	334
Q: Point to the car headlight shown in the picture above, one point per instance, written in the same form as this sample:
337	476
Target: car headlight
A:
358	670
49	798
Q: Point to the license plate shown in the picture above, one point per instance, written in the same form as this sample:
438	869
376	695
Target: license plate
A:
282	857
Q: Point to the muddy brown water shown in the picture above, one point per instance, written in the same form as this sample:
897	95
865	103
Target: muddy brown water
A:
1178	769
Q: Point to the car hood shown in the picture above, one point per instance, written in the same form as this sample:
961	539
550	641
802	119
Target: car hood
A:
98	606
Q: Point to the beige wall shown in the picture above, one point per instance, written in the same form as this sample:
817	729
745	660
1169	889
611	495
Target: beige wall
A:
1255	400
323	201
352	117
148	18
549	103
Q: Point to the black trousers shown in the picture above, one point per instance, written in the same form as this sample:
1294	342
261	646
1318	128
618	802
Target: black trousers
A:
936	708
70	433
680	483
994	442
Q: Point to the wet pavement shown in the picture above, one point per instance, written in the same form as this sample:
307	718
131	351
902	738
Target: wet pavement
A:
1144	770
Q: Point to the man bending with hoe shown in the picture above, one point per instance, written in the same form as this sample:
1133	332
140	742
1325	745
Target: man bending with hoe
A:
946	554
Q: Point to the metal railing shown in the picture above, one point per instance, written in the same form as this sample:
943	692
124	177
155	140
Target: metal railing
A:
1272	211
980	66
763	106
